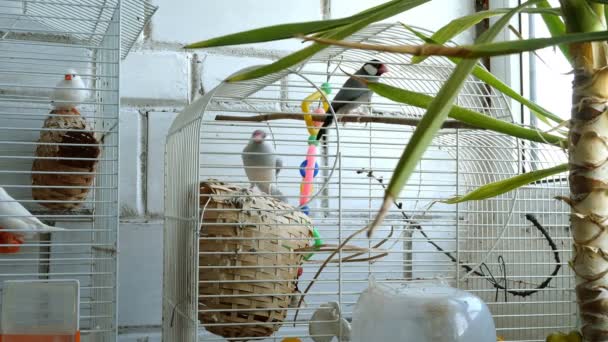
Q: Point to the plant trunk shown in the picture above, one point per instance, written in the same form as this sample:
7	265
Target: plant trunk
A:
588	151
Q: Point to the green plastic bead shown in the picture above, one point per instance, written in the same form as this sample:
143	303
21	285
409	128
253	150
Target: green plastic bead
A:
312	140
326	87
317	236
318	242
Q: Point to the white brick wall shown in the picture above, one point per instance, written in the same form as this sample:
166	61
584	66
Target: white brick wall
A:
432	15
140	290
130	164
217	67
158	79
188	21
158	126
155	75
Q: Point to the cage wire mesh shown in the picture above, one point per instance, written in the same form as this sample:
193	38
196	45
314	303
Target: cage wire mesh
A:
60	164
510	250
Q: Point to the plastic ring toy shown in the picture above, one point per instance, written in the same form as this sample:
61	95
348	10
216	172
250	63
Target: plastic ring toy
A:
310	124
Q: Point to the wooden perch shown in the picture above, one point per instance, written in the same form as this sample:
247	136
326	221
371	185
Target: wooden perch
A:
356	117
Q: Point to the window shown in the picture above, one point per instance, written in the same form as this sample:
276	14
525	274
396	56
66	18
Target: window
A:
550	78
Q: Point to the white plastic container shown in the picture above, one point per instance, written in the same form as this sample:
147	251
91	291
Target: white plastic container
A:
424	312
40	311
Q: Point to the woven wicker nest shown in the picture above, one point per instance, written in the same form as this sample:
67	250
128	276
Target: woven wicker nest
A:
60	177
255	239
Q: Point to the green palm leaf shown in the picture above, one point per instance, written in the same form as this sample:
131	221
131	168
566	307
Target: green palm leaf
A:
379	13
474	51
465	115
556	27
431	122
284	31
583	15
459	25
510	47
506	185
487	77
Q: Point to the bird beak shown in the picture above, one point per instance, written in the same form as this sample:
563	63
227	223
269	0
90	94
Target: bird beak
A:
68	77
382	69
258	137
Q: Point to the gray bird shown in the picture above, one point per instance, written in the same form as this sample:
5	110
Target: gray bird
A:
354	93
262	165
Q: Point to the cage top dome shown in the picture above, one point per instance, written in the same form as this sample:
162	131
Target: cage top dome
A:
246	104
78	22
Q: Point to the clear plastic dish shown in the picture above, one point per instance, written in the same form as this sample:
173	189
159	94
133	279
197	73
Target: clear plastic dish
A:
423	312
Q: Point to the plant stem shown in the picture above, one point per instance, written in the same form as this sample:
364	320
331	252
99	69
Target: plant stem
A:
588	159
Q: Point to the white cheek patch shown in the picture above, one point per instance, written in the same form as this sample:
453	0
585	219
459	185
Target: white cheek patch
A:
370	69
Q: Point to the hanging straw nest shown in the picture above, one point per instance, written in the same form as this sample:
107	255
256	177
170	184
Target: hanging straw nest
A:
255	240
55	170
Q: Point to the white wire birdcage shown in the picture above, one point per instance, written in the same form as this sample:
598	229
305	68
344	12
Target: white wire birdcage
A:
40	41
509	250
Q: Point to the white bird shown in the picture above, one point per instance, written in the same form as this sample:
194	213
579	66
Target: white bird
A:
69	92
326	323
262	165
14	216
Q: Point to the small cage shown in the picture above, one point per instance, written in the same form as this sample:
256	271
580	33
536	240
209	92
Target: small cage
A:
59	144
509	250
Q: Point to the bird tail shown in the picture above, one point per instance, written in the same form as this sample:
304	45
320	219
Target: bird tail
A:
323	130
48	229
321	133
32	233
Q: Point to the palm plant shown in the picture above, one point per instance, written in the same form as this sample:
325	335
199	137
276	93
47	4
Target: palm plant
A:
578	27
